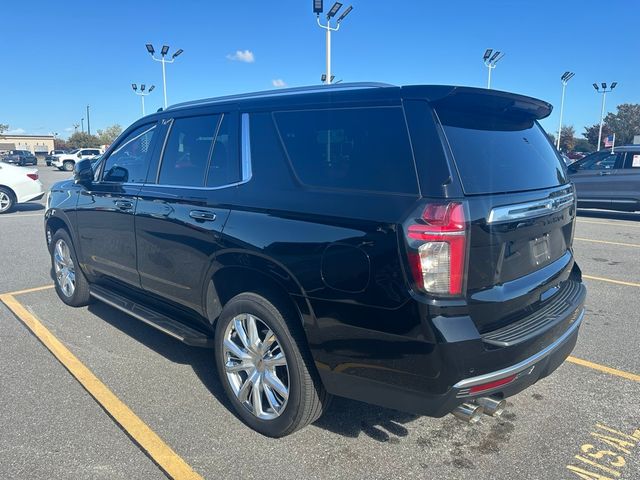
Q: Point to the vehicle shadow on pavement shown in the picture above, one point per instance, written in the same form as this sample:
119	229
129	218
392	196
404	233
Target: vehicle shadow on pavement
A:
344	417
609	215
28	207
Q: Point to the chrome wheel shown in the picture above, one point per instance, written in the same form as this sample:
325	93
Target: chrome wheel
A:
64	268
256	366
5	201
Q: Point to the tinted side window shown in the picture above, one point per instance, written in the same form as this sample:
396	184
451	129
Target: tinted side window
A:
632	160
187	152
128	163
602	161
224	168
354	148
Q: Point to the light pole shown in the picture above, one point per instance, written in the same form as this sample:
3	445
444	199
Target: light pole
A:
163	60
82	121
88	121
490	59
318	9
566	76
75	127
604	92
142	93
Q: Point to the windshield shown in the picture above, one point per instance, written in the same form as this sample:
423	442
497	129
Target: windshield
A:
498	153
76	150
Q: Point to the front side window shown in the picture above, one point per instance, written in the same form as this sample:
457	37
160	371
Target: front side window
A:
186	155
128	163
602	161
350	148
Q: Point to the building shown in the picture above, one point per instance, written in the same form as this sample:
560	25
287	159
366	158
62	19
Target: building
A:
39	145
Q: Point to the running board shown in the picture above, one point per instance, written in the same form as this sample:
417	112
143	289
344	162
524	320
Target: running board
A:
157	320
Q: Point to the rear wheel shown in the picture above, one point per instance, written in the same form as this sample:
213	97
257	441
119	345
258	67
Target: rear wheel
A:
67	166
266	368
7	200
71	285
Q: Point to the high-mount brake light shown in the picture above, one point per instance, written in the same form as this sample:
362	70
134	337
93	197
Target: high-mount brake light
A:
437	248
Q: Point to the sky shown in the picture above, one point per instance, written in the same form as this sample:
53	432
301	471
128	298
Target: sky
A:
60	56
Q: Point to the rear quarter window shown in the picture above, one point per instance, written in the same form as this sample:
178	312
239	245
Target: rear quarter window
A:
500	153
350	149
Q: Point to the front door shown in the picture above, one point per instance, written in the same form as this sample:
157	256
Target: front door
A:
593	179
105	212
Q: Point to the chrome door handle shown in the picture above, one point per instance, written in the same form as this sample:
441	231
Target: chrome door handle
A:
202	215
602	174
123	204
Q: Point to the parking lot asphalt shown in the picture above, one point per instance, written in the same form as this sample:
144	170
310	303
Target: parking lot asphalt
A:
54	428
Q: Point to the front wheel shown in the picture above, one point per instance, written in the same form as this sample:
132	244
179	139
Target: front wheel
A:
266	368
71	285
67	166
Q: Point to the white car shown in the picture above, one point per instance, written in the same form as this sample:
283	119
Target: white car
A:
66	161
18	185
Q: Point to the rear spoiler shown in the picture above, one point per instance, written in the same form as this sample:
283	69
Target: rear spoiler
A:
469	99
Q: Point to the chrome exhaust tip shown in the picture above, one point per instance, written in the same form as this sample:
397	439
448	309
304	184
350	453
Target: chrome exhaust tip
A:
468	412
491	406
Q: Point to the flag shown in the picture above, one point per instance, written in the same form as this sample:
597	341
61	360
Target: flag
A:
608	142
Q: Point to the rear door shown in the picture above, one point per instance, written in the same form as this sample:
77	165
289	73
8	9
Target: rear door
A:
626	182
182	210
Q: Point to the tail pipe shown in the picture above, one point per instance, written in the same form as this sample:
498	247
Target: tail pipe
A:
468	412
491	406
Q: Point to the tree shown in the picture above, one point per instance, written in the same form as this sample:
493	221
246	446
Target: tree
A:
551	137
583	145
625	123
109	134
3	128
82	140
567	138
60	144
591	134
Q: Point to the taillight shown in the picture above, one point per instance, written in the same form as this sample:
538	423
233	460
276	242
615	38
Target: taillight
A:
437	244
32	176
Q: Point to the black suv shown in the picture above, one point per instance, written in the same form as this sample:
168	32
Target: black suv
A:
20	157
409	247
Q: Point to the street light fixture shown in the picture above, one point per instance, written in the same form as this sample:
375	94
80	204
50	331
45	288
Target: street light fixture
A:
566	76
604	92
490	59
142	92
163	53
318	9
323	77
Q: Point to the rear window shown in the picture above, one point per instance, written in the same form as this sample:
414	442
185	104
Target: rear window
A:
350	149
500	153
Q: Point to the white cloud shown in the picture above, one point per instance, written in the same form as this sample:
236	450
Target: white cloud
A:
278	82
245	56
16	131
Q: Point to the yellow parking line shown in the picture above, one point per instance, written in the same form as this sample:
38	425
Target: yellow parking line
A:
168	460
29	290
602	368
615	224
607	242
610	280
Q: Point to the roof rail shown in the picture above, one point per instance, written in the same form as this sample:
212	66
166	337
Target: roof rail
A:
282	92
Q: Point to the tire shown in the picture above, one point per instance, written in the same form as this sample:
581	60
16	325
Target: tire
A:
269	411
7	200
71	285
67	166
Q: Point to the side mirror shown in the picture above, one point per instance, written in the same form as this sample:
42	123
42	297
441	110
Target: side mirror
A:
83	173
79	155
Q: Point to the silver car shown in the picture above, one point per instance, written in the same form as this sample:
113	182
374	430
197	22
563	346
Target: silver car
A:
608	179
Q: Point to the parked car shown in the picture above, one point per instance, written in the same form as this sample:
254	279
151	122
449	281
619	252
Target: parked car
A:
66	161
609	180
375	242
20	157
49	158
18	185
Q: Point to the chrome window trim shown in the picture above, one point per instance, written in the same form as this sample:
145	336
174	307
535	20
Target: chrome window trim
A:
536	208
525	364
246	149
